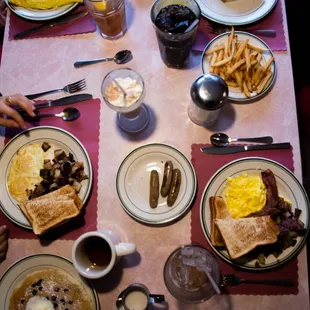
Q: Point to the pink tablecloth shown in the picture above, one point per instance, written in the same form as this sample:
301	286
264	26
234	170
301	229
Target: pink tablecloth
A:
273	20
84	24
86	129
205	166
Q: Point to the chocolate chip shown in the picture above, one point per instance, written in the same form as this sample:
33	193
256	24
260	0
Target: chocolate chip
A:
56	289
53	298
62	300
47	298
70	302
22	301
40	288
66	290
55	305
66	309
34	292
34	285
39	282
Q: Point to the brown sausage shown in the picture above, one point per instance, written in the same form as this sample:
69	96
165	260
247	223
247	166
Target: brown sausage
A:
167	178
154	188
175	187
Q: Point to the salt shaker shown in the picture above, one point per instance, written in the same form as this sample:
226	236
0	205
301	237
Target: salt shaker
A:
209	93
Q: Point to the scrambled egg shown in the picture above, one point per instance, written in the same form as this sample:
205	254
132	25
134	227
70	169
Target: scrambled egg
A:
24	171
42	4
244	195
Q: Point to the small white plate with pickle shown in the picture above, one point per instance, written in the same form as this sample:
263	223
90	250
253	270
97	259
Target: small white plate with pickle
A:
133	183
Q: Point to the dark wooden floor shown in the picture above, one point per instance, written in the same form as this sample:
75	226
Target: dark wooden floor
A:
297	25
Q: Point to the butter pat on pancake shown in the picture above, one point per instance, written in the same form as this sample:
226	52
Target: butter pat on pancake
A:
244	195
42	4
24	171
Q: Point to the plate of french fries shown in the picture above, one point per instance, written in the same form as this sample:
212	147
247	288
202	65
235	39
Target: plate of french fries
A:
244	61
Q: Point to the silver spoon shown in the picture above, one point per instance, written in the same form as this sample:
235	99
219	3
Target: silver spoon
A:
120	58
221	139
68	114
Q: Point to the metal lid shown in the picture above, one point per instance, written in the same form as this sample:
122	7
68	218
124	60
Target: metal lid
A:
209	92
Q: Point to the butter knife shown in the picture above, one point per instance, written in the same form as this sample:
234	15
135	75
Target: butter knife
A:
244	148
55	22
59	102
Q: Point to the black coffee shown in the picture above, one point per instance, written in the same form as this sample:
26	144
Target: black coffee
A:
98	252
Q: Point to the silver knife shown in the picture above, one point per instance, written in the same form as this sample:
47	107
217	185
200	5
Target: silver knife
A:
59	102
58	21
237	148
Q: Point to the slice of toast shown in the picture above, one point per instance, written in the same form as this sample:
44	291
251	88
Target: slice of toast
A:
47	213
218	210
243	235
65	190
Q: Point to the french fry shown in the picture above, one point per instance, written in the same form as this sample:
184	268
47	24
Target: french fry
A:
213	60
222	62
226	45
268	63
259	79
235	66
245	90
247	59
256	75
239	80
256	48
264	82
232	84
240	50
214	49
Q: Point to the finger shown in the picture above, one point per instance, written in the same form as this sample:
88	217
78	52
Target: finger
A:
23	102
8	123
3	246
14	115
3	229
3	237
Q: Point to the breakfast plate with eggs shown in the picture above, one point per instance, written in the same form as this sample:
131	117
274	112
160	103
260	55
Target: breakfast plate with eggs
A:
41	10
27	157
45	281
240	185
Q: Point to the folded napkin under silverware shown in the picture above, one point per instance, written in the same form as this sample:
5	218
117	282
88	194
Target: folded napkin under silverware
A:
232	280
57	21
58	102
238	148
70	88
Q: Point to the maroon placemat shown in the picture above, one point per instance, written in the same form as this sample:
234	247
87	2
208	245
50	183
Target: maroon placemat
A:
274	20
86	129
84	24
205	166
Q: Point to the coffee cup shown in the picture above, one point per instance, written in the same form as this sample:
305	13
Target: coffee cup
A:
137	297
96	252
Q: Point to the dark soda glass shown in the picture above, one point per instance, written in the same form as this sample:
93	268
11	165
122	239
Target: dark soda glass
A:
171	22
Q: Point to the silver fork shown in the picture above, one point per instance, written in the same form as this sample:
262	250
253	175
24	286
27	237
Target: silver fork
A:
233	280
218	29
70	88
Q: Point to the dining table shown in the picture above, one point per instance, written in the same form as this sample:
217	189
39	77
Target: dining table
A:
38	64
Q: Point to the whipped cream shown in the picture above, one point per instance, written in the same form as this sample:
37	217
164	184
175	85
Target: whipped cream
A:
132	88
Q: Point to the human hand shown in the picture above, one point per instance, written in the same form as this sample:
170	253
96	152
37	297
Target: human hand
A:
16	120
3	242
3	11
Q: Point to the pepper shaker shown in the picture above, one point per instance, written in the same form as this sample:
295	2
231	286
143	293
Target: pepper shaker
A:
209	94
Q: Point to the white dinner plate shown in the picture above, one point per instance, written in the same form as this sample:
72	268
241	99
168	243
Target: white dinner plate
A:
41	15
288	186
60	139
133	181
16	273
234	93
237	12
